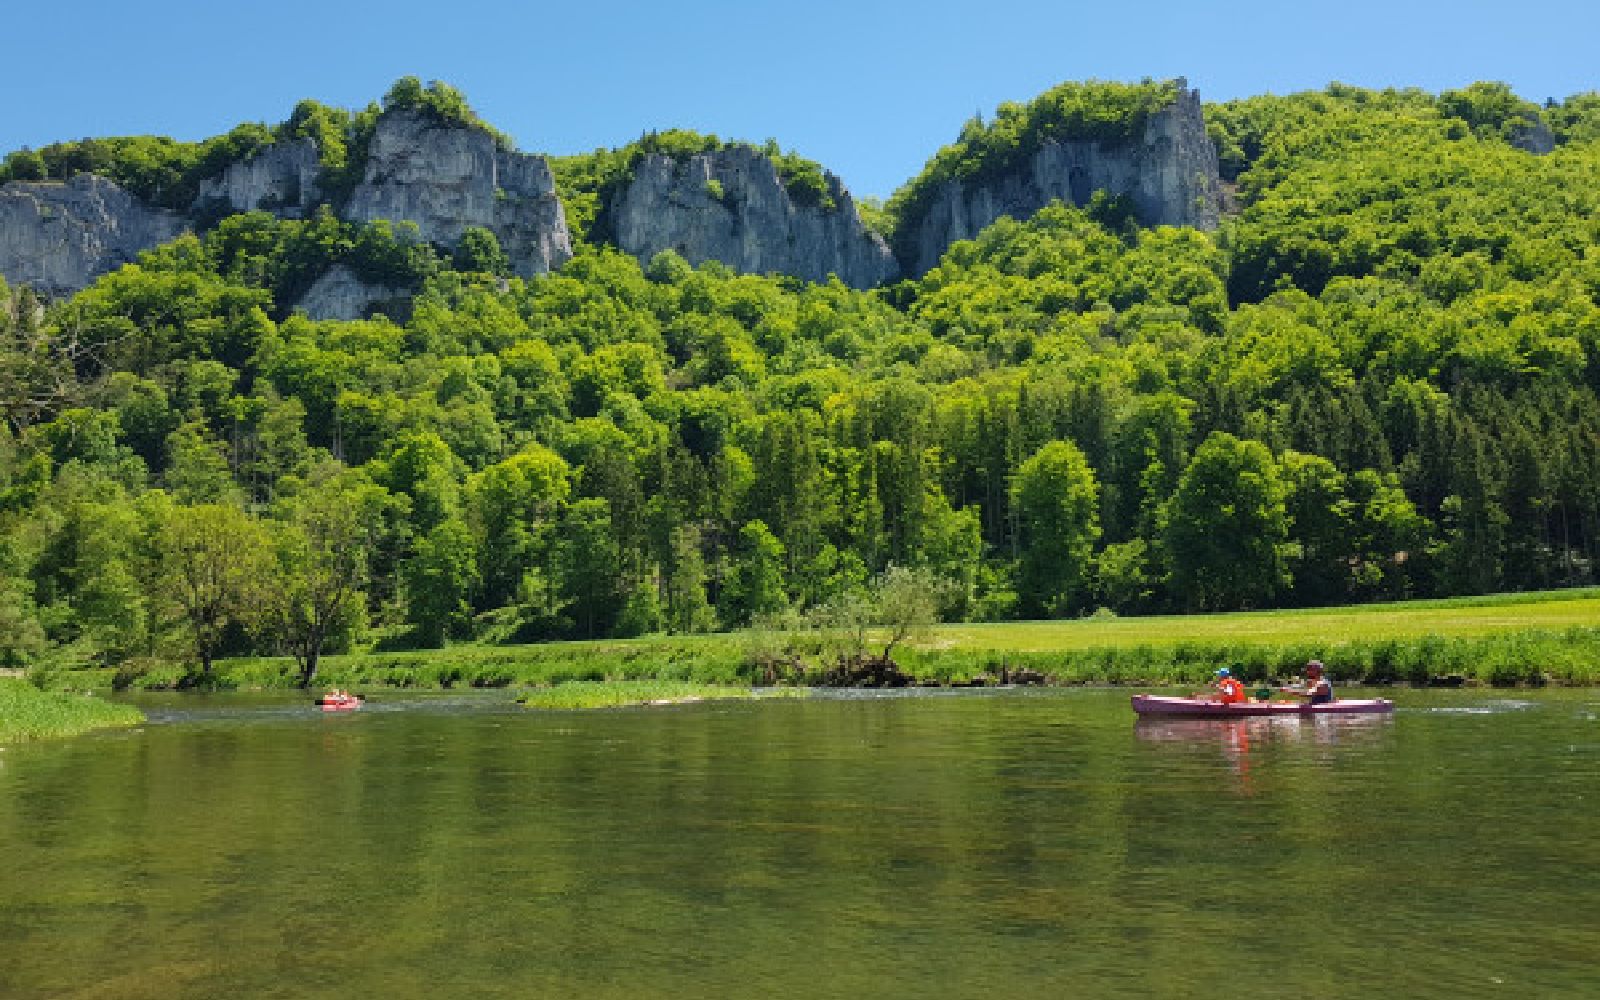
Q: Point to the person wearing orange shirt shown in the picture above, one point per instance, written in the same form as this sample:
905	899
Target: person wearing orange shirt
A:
1229	690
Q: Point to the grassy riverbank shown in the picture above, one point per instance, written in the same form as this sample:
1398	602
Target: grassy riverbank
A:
1462	617
27	713
717	659
1505	639
620	694
1546	637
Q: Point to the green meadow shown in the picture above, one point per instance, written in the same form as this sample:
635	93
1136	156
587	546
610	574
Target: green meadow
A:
1467	617
1550	637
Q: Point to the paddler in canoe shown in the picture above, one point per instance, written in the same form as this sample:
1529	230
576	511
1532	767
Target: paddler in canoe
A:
1316	688
1228	689
339	697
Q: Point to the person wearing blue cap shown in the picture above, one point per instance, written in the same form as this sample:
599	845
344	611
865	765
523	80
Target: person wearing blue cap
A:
1229	690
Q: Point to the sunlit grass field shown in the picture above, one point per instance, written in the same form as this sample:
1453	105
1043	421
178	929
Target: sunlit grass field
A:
1454	618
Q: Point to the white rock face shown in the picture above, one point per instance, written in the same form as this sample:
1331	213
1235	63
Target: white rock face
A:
1169	173
339	294
447	178
281	179
731	206
58	236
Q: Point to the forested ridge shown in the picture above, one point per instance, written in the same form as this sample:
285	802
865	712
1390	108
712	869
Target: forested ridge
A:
168	173
1377	380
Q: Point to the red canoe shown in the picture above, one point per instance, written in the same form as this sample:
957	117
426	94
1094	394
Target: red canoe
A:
1205	708
338	704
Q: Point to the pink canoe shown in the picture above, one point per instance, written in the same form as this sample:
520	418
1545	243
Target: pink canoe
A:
328	704
1205	708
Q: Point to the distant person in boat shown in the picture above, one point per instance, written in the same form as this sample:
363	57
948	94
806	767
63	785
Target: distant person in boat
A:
1229	690
1316	688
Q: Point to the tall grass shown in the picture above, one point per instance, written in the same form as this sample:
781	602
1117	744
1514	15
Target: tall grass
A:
616	694
710	659
27	713
1531	657
1549	637
1451	617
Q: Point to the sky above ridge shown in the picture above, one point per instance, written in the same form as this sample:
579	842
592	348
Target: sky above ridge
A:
869	89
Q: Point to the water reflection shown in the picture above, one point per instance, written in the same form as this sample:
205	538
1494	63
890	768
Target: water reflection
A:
1322	729
1241	742
945	846
165	707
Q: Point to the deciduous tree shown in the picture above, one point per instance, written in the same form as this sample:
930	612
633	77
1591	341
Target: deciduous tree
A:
215	563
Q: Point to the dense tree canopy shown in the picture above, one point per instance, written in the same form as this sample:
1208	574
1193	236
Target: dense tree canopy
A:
1378	380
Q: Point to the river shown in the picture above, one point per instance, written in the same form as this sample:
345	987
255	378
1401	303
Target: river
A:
952	844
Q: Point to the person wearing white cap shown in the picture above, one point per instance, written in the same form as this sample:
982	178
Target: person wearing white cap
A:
1316	688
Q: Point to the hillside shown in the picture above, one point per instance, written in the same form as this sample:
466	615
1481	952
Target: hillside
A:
1375	379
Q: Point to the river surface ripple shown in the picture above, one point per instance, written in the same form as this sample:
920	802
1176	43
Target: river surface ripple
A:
933	844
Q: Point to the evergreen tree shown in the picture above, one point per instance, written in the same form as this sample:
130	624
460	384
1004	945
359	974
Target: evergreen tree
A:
755	583
687	609
590	567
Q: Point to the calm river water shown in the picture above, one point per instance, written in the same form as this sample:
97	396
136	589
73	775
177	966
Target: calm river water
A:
951	844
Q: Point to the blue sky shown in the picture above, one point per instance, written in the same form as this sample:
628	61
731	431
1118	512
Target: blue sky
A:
869	89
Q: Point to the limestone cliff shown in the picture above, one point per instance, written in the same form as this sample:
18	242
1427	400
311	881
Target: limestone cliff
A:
731	206
282	178
447	178
1169	173
59	236
339	294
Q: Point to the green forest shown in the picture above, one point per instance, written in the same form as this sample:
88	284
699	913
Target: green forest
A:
1376	381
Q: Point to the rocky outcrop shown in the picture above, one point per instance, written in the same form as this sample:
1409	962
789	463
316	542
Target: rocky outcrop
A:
282	178
1169	173
339	294
731	206
1533	135
447	178
58	236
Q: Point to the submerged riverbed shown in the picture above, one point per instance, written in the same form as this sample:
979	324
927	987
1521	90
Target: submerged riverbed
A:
927	844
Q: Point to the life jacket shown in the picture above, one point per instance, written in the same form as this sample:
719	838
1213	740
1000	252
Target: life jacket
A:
1232	690
1321	691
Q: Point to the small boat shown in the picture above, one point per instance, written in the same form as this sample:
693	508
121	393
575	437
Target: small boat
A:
1210	708
339	703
